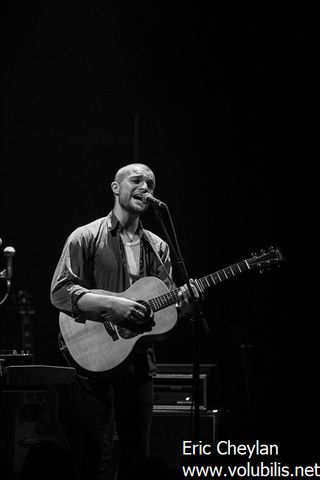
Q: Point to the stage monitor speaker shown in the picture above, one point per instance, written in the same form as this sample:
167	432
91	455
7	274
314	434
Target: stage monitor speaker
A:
171	428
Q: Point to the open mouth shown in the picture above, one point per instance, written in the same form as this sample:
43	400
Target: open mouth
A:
138	196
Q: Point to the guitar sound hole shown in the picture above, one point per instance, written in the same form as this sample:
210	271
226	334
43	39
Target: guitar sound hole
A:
129	329
146	304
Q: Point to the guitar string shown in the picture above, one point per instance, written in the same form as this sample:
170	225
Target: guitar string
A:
212	279
171	297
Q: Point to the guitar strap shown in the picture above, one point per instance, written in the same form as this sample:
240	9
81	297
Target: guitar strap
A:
151	242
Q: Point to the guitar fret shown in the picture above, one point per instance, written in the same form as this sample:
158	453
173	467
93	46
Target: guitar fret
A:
199	285
174	295
171	297
226	271
244	266
223	274
238	268
202	283
157	304
164	300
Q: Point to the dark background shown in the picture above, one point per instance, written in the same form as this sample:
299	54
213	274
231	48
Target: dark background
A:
208	98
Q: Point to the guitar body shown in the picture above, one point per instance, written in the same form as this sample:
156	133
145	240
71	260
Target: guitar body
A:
94	349
100	346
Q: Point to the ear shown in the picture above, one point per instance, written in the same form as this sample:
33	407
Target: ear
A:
115	188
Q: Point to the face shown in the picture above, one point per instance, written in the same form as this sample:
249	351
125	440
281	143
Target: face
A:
129	185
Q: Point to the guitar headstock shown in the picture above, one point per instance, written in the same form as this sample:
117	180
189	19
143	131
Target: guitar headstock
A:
265	259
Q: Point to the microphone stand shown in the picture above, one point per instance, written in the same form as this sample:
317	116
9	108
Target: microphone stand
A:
3	275
197	319
6	274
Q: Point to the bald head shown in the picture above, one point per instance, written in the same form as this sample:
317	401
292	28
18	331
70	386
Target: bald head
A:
134	169
128	186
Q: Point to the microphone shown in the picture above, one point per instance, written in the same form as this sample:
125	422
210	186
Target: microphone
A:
9	253
148	198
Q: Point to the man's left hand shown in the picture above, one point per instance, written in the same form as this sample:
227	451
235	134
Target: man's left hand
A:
185	306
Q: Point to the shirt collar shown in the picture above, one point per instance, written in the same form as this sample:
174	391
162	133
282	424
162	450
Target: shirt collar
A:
113	223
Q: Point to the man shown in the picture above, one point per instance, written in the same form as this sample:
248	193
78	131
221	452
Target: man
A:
109	255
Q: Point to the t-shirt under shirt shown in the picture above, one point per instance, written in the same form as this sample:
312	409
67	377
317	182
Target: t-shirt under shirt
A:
132	250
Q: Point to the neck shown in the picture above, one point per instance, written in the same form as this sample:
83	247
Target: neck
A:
128	221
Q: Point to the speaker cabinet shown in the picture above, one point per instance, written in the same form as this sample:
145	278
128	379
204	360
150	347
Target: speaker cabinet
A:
171	428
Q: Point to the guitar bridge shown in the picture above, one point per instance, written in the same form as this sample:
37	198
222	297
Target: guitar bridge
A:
110	328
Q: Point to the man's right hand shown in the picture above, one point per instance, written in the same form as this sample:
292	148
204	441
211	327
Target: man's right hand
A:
117	308
122	308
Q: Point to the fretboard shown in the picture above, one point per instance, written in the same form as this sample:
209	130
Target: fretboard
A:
222	275
172	296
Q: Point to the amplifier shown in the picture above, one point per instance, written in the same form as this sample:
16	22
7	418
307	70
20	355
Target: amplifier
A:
12	357
173	387
170	428
174	391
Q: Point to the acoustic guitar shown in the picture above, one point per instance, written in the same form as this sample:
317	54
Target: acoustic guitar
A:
101	346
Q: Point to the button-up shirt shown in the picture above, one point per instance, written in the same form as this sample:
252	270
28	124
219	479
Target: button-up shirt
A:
93	257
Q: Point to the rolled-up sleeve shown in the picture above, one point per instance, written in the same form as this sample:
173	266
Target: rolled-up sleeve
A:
68	282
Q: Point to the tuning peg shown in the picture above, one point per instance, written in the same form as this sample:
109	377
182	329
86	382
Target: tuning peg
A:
253	254
262	251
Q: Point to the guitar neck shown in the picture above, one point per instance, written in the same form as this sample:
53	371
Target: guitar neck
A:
172	296
222	275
